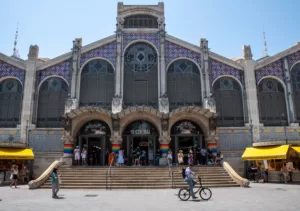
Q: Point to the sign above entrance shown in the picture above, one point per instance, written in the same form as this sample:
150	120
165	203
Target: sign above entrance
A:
140	128
95	127
185	127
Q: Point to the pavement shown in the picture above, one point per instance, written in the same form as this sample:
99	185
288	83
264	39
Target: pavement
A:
263	197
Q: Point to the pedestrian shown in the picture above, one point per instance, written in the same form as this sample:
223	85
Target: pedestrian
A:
189	179
190	158
180	159
15	172
284	171
55	183
83	156
121	157
77	155
170	158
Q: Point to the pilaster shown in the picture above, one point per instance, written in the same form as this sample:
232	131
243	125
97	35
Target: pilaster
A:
290	103
76	53
29	91
251	91
205	67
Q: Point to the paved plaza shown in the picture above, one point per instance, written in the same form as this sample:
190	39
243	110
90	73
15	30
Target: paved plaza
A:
263	197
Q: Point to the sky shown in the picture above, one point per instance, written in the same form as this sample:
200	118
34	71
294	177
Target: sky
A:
227	24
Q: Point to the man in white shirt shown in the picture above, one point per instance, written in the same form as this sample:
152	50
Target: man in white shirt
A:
189	179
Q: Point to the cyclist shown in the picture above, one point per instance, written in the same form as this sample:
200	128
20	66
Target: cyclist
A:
189	179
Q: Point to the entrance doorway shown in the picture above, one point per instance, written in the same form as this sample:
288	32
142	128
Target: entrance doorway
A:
94	138
140	142
187	136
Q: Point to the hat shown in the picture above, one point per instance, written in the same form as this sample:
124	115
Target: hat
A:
180	150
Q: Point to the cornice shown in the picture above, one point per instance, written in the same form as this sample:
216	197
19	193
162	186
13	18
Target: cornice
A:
12	61
278	56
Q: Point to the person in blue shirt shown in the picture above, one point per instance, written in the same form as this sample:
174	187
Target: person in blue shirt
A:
189	179
54	183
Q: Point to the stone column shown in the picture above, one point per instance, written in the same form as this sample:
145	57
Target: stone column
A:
289	91
29	91
74	89
204	67
163	99
251	91
118	99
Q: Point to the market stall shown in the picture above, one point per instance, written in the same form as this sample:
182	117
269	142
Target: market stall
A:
271	159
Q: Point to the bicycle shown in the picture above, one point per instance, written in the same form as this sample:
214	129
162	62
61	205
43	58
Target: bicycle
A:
205	193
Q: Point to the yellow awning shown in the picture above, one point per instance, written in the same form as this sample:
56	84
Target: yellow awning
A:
296	148
265	153
16	154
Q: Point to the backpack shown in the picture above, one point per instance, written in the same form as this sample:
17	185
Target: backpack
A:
183	173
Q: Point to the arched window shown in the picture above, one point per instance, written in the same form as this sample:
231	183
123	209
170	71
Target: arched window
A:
229	103
52	96
140	75
295	75
271	101
140	21
11	93
97	84
184	86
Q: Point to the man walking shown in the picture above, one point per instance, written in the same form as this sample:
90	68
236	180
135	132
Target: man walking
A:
189	179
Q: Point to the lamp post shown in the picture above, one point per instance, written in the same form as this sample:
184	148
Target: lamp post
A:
283	122
251	126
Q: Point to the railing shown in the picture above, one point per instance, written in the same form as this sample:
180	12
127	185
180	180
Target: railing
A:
108	173
171	174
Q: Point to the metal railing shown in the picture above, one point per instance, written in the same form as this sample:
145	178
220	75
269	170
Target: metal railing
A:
108	174
171	174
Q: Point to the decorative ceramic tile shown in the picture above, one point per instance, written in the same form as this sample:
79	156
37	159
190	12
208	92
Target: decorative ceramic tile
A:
173	51
62	69
9	70
108	51
293	58
218	69
151	37
273	69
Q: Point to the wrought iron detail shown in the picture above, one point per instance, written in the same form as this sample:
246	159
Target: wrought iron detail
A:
140	21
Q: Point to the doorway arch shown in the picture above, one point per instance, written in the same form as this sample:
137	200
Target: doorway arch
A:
187	135
94	136
140	137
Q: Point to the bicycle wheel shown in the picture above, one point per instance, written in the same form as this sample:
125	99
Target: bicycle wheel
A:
205	194
184	194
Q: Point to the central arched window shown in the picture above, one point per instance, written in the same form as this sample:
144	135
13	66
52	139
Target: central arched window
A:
271	101
51	106
97	84
140	21
140	75
11	93
229	102
295	75
184	86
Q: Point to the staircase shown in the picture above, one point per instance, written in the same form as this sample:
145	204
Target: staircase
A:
137	178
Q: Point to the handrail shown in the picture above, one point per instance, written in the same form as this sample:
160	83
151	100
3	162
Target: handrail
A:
33	184
171	174
108	172
237	178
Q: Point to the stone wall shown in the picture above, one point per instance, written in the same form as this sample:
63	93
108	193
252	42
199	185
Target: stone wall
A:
10	135
42	160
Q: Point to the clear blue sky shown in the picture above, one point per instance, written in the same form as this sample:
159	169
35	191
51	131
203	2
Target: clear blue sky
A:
227	24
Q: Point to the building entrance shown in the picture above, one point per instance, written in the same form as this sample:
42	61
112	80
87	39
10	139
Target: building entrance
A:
140	142
94	138
187	136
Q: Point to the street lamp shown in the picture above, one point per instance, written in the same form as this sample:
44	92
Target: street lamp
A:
251	126
283	122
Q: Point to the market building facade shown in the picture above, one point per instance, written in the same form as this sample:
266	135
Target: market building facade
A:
144	87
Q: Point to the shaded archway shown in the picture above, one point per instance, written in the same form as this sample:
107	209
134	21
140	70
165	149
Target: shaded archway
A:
229	102
271	102
51	103
187	135
11	93
295	76
140	138
94	136
97	84
140	75
183	84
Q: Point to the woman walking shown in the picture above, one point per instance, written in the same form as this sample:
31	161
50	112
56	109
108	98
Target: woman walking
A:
55	183
121	157
180	159
191	158
15	172
170	158
83	156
